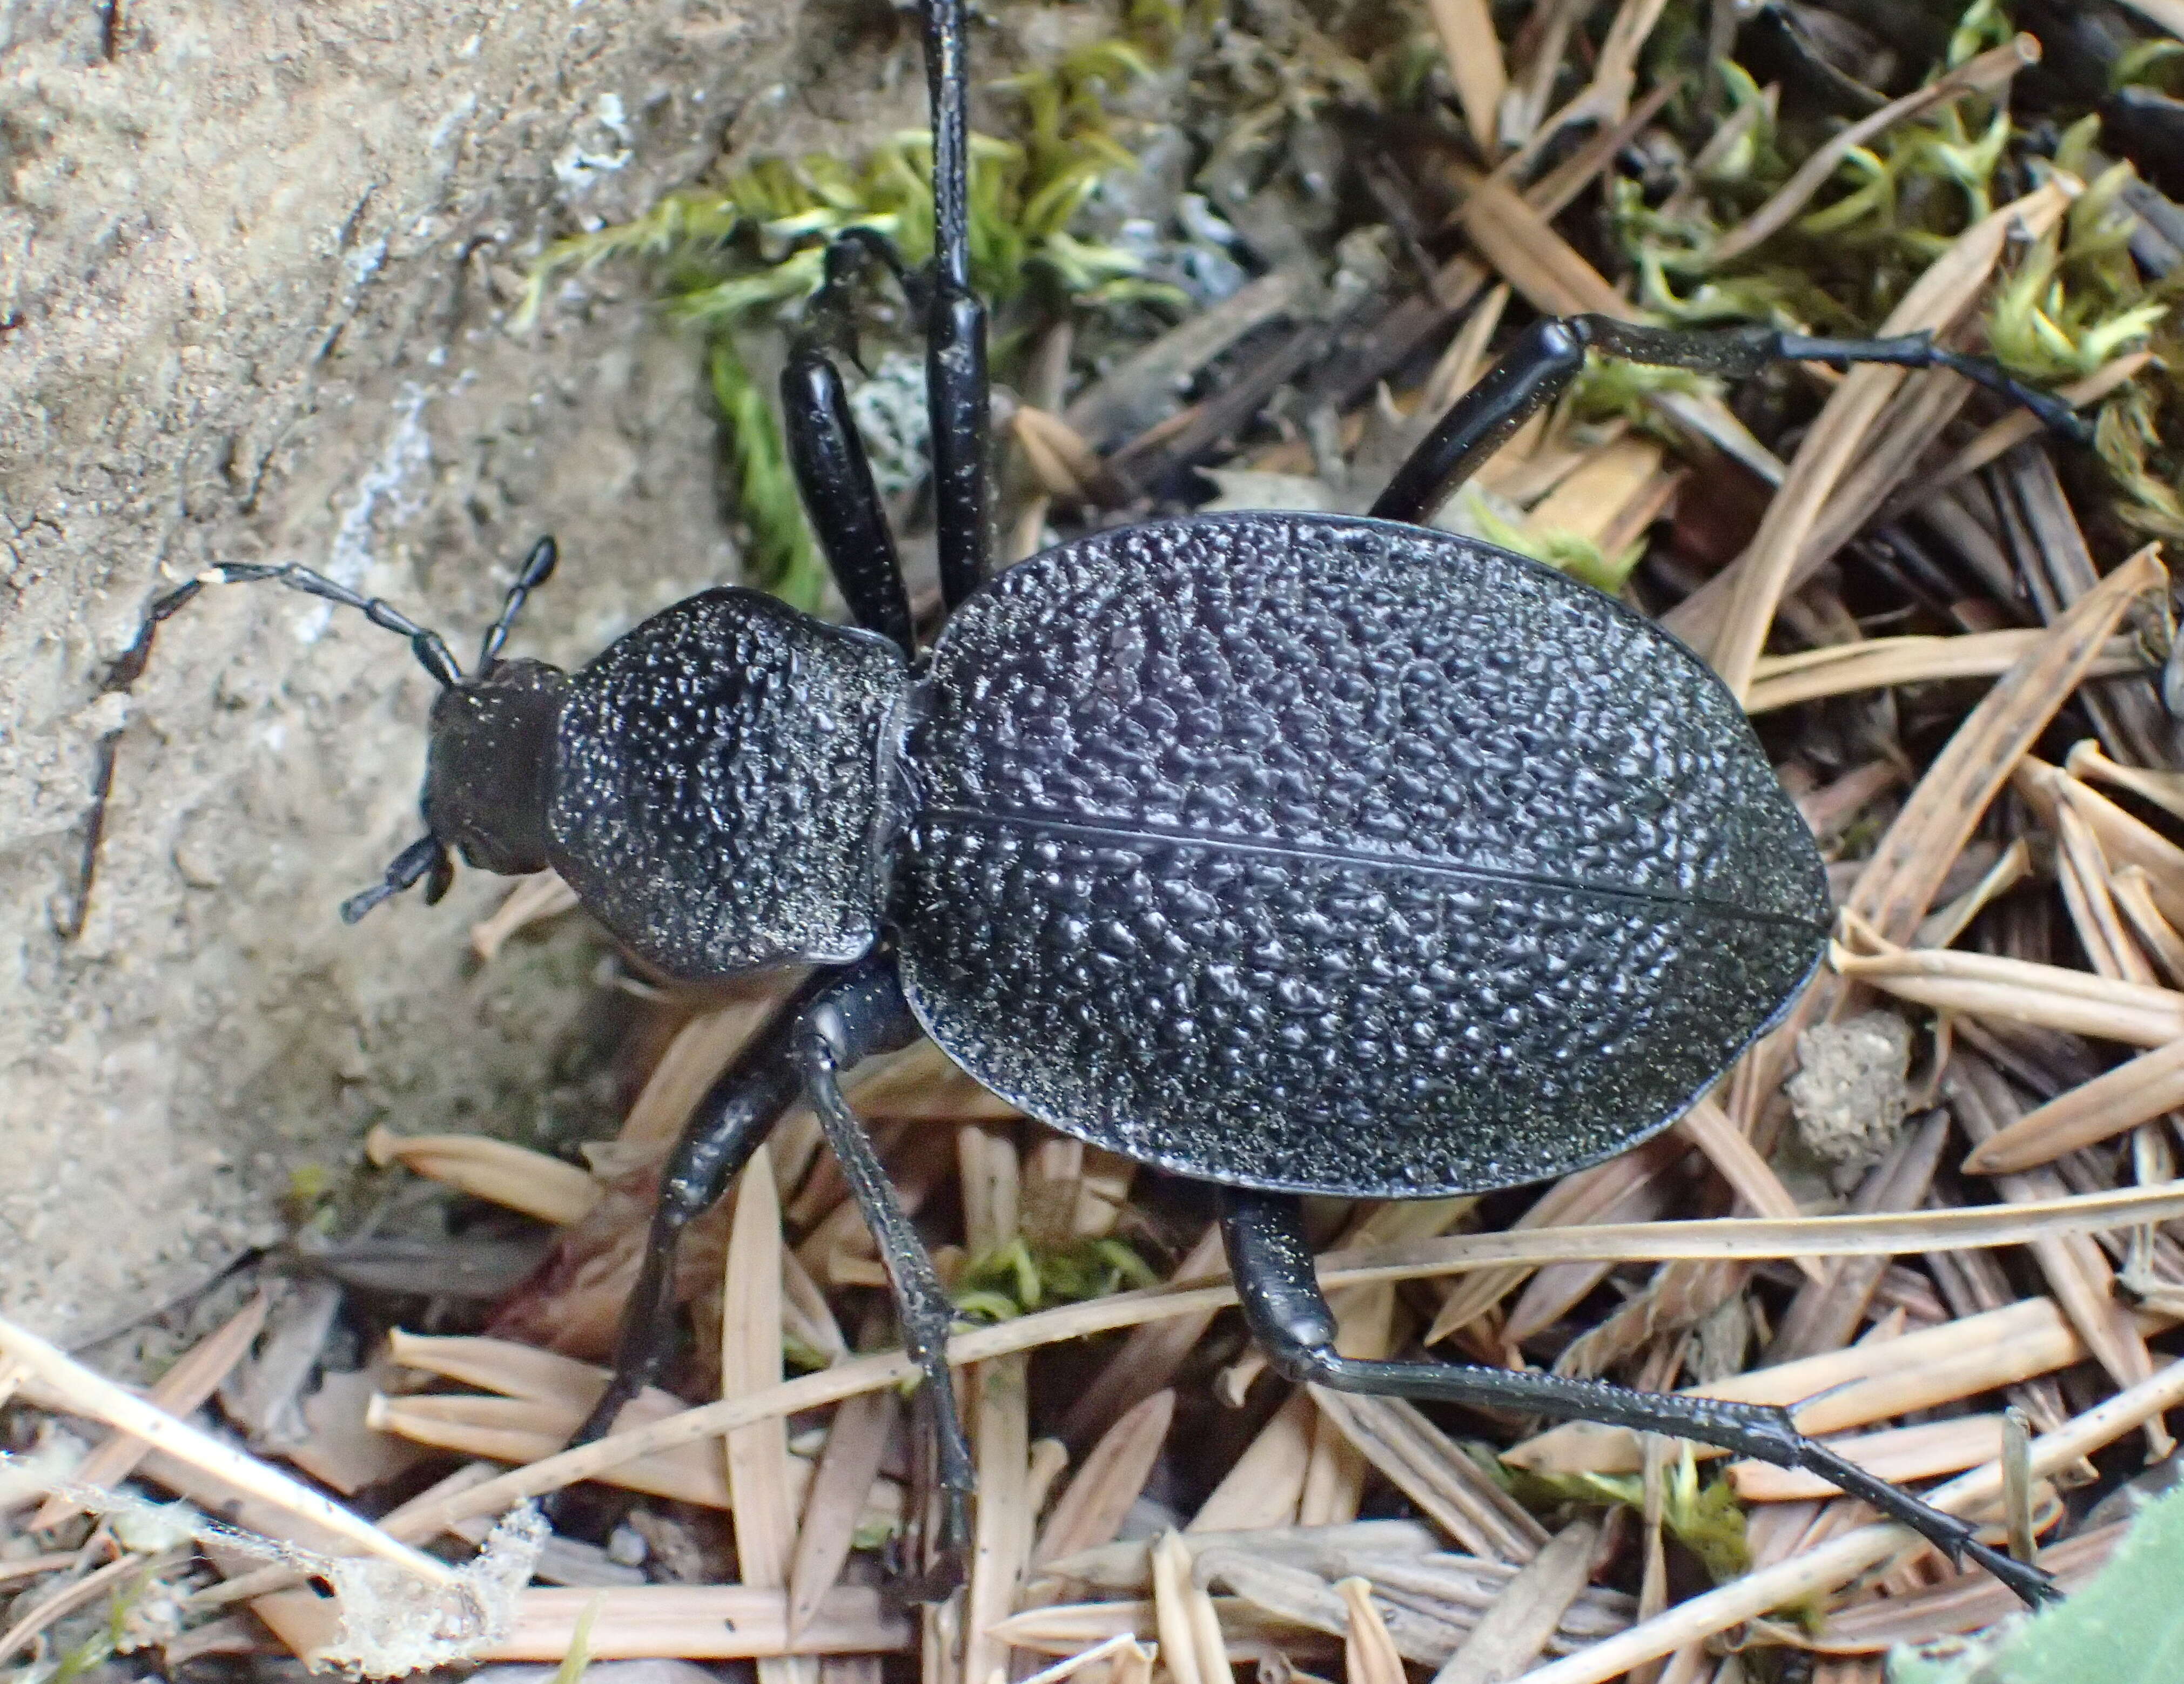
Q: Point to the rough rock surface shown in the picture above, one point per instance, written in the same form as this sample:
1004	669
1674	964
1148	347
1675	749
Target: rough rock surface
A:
255	267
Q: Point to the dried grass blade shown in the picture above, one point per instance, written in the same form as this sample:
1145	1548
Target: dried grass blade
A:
504	1174
696	1622
2108	1105
1990	985
1421	1462
1247	1633
1623	474
856	1440
2083	877
2134	892
2124	840
1004	1529
1191	1638
1090	1512
2165	790
1515	1631
507	1367
1126	1568
1882	663
1841	1559
757	1457
1851	1387
1989	73
1523	247
195	1376
1474	65
81	1391
1368	1653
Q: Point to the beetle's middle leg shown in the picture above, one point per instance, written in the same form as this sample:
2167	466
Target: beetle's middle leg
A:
1273	1267
849	1023
1538	367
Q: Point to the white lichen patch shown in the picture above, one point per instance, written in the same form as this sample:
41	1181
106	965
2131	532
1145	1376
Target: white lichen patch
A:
394	1622
891	415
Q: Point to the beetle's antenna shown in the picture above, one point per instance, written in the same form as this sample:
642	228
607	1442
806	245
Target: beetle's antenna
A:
425	857
430	648
537	567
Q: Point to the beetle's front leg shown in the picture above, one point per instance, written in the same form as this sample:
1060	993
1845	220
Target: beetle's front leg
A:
828	457
738	1112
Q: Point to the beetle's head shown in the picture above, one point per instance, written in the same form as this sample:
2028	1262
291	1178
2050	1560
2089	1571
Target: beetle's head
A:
486	771
486	767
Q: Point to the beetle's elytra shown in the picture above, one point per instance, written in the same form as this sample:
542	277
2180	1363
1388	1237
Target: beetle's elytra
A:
1294	854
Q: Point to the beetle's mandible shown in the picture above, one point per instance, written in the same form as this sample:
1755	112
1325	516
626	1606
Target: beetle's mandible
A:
1294	854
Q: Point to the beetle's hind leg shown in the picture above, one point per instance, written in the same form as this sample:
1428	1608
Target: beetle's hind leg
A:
1538	367
1271	1263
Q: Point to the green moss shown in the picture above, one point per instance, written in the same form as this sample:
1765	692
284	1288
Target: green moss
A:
748	252
1019	1278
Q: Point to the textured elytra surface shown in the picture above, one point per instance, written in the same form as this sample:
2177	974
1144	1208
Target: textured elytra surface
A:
1313	852
715	786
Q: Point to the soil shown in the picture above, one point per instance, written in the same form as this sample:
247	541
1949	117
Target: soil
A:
256	268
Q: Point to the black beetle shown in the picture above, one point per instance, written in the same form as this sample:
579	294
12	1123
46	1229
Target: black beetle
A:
1295	853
